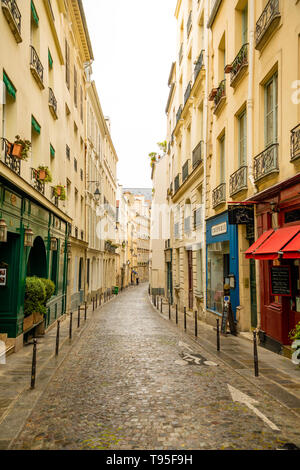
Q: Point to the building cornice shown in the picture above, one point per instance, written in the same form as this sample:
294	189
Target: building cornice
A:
84	40
177	8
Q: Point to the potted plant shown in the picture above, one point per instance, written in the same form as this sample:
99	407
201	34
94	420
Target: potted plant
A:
294	335
44	174
60	192
20	148
37	293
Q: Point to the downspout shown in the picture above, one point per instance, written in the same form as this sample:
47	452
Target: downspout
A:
250	132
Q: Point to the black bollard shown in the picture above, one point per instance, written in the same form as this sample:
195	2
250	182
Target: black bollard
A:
157	303
78	318
70	327
196	324
33	368
255	354
176	314
93	304
184	317
161	305
100	300
85	310
96	300
57	338
218	334
169	311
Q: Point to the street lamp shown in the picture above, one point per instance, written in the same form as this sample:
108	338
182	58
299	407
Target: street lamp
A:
3	231
97	192
28	237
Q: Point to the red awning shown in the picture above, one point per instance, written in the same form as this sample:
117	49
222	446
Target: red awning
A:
292	249
258	243
273	243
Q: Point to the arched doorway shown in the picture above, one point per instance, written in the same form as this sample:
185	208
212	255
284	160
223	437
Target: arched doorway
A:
37	260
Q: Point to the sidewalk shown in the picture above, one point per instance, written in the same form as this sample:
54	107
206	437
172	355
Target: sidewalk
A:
17	399
278	376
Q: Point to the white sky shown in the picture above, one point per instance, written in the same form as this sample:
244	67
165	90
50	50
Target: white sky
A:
134	43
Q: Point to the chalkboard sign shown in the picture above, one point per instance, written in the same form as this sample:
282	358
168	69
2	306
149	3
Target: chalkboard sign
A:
224	319
227	316
281	280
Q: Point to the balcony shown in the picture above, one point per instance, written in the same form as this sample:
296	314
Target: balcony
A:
12	162
239	65
197	154
185	171
180	55
219	195
198	65
176	183
36	183
238	180
220	96
36	68
266	163
189	24
52	104
13	16
295	143
267	23
178	114
187	93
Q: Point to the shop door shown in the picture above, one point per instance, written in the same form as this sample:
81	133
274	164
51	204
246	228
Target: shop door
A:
253	294
190	278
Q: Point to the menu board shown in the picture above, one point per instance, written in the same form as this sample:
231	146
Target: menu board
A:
281	280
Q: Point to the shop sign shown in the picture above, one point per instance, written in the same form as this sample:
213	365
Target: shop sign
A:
240	214
280	280
219	229
3	273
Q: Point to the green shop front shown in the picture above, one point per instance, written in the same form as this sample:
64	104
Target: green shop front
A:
33	242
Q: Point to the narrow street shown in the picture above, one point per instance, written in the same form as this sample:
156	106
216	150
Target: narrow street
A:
128	384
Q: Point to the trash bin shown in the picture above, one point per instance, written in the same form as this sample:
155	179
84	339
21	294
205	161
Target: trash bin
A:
116	290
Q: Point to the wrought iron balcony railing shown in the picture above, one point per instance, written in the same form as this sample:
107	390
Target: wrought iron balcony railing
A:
198	65
219	195
267	22
189	24
180	54
176	183
185	171
220	95
266	162
187	92
178	114
13	16
52	103
238	180
197	154
36	183
239	64
295	143
36	67
12	162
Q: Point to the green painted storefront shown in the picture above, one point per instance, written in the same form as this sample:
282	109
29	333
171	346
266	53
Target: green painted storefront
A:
20	212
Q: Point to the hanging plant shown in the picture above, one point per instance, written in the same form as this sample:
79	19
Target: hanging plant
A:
60	191
43	174
20	148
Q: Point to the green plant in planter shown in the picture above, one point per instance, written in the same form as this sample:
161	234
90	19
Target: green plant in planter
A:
35	295
49	289
60	192
25	146
44	174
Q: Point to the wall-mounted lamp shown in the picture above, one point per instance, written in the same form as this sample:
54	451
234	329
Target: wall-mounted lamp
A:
97	192
28	237
3	231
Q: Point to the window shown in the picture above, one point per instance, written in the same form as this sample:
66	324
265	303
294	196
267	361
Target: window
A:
222	159
67	57
245	25
75	87
68	152
217	271
81	104
271	110
8	108
199	271
242	124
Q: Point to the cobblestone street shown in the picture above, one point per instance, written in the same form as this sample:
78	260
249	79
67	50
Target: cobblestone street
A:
132	381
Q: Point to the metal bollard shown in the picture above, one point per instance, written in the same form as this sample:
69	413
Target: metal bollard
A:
78	318
184	317
100	300
96	300
255	354
33	367
85	310
57	338
196	324
161	305
169	311
93	304
218	334
70	327
176	314
157	303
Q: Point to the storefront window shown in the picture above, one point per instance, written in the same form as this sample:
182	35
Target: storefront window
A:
217	271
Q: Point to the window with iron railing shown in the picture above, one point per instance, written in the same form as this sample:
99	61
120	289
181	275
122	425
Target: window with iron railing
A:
197	154
185	171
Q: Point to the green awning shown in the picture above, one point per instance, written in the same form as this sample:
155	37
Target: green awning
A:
50	59
34	13
9	86
52	151
35	125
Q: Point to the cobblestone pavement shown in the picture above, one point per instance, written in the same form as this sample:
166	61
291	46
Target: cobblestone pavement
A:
136	381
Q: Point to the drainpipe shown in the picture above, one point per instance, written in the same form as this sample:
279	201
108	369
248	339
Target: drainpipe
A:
250	121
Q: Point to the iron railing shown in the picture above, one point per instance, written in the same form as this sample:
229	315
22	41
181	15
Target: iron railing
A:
239	63
270	13
36	183
176	183
178	114
36	65
52	102
197	154
238	180
187	92
180	54
295	143
14	11
198	65
189	24
12	162
185	171
221	93
266	162
219	195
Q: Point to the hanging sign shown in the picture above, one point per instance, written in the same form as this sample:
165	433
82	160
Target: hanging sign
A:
280	280
240	214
